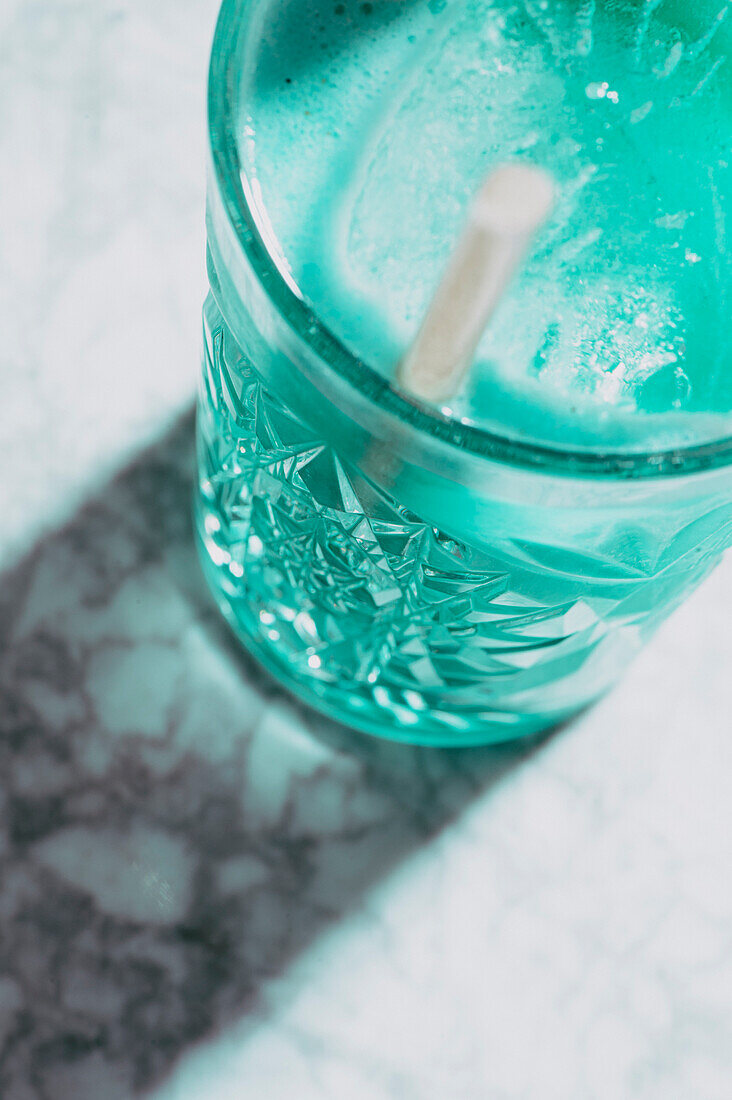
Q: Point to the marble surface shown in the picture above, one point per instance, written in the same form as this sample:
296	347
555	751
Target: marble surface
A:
204	890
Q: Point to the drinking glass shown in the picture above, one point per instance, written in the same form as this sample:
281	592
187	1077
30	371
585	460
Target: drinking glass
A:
414	576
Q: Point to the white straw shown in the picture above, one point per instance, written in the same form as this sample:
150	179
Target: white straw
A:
513	203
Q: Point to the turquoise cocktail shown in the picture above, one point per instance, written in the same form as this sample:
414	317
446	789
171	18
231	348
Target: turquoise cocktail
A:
484	569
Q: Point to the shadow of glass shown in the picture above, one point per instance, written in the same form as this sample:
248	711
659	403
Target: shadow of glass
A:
176	828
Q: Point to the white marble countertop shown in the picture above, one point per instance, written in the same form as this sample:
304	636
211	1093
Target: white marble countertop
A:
204	892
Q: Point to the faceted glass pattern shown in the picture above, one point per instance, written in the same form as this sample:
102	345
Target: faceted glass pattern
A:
390	624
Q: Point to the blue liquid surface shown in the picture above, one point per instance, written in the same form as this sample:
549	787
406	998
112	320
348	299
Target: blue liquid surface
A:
368	127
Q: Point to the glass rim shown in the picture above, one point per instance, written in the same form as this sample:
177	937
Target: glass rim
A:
305	322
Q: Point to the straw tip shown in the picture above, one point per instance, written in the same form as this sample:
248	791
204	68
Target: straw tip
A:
515	199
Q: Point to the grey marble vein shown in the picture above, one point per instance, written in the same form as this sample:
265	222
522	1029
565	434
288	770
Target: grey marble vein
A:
174	830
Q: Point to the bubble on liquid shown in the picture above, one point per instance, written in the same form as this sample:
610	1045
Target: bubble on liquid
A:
602	90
